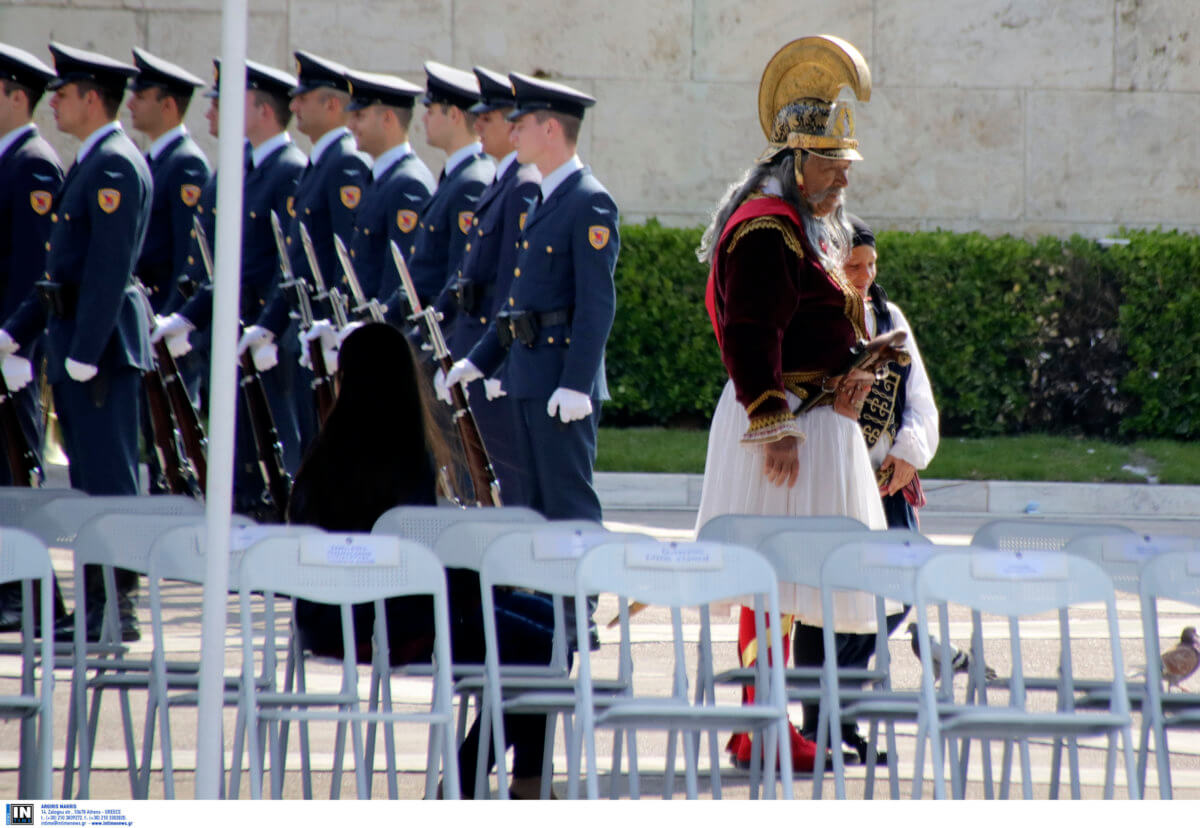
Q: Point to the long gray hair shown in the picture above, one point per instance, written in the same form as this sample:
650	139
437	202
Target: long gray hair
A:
778	173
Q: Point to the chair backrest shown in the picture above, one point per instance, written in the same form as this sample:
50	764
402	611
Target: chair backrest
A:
798	555
1034	533
672	574
17	501
882	563
1123	555
22	556
1173	575
125	540
462	545
749	530
337	568
546	558
425	523
178	554
58	521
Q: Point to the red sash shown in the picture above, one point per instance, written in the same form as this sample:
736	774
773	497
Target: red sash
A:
752	208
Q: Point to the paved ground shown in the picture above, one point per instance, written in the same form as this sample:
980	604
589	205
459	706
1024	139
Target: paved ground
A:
650	650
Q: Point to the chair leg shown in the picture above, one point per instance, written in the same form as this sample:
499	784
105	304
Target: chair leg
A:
239	739
372	707
1131	780
1110	766
168	758
130	749
1006	771
1026	771
1056	751
635	776
1073	761
714	759
872	756
615	773
823	729
893	762
143	791
69	760
919	761
669	769
689	764
339	757
548	755
1162	756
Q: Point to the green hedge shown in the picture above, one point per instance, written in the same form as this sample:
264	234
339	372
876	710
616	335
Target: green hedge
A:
1045	336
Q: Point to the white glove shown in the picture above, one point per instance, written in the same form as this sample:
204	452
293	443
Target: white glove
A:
80	371
265	356
440	388
175	328
321	331
491	388
464	371
253	337
18	372
569	405
350	328
8	345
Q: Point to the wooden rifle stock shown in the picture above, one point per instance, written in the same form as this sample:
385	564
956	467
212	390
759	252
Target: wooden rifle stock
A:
23	465
195	442
269	448
162	425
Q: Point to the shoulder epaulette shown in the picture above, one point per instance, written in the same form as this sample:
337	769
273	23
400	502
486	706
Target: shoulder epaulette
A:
772	223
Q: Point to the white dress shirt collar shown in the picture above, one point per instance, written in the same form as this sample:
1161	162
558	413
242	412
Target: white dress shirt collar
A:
550	182
161	142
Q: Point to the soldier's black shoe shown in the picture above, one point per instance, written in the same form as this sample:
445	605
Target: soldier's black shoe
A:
10	617
64	628
853	739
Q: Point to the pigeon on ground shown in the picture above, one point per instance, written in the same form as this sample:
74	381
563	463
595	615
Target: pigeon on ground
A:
1181	661
960	661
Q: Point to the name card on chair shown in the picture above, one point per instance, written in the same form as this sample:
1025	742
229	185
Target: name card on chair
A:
673	556
1142	548
565	545
901	556
1015	566
349	550
242	538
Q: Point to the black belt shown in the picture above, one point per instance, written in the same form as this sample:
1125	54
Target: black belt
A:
523	326
472	296
59	300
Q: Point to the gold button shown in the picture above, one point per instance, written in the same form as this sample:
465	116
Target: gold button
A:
192	233
483	320
353	253
549	249
510	301
200	208
366	231
47	245
431	228
67	216
262	301
412	248
516	271
54	217
307	211
191	260
568	340
526	245
288	240
468	246
550	340
475	221
46	275
420	224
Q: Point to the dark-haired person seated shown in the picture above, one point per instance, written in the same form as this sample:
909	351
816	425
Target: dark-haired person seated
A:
379	449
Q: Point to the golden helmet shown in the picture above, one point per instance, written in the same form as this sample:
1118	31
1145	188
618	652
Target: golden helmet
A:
798	104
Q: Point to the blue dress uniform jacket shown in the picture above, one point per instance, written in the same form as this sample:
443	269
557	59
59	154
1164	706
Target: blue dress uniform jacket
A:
390	212
326	201
179	172
99	218
490	254
30	175
434	255
566	262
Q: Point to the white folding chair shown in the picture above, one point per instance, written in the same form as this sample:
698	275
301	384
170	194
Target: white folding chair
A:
677	575
24	558
544	560
1173	576
17	501
341	569
427	525
1121	556
1015	584
1021	534
178	555
883	564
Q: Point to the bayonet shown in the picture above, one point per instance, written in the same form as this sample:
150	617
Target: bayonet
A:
362	304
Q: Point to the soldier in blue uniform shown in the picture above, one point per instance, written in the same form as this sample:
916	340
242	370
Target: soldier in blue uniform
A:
273	168
485	276
435	252
401	184
161	93
30	175
550	334
95	331
326	201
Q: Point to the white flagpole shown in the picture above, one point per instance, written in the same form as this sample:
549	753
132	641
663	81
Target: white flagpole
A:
222	399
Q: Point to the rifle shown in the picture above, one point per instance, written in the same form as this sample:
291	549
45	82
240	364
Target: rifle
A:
864	356
322	384
23	464
187	419
479	466
336	300
362	305
277	483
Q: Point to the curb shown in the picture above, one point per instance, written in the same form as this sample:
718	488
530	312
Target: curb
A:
664	492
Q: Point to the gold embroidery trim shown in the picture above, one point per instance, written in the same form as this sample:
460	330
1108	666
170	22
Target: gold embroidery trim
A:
768	420
767	222
855	308
763	397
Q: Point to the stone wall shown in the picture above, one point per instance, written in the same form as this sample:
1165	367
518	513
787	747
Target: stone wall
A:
1007	116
